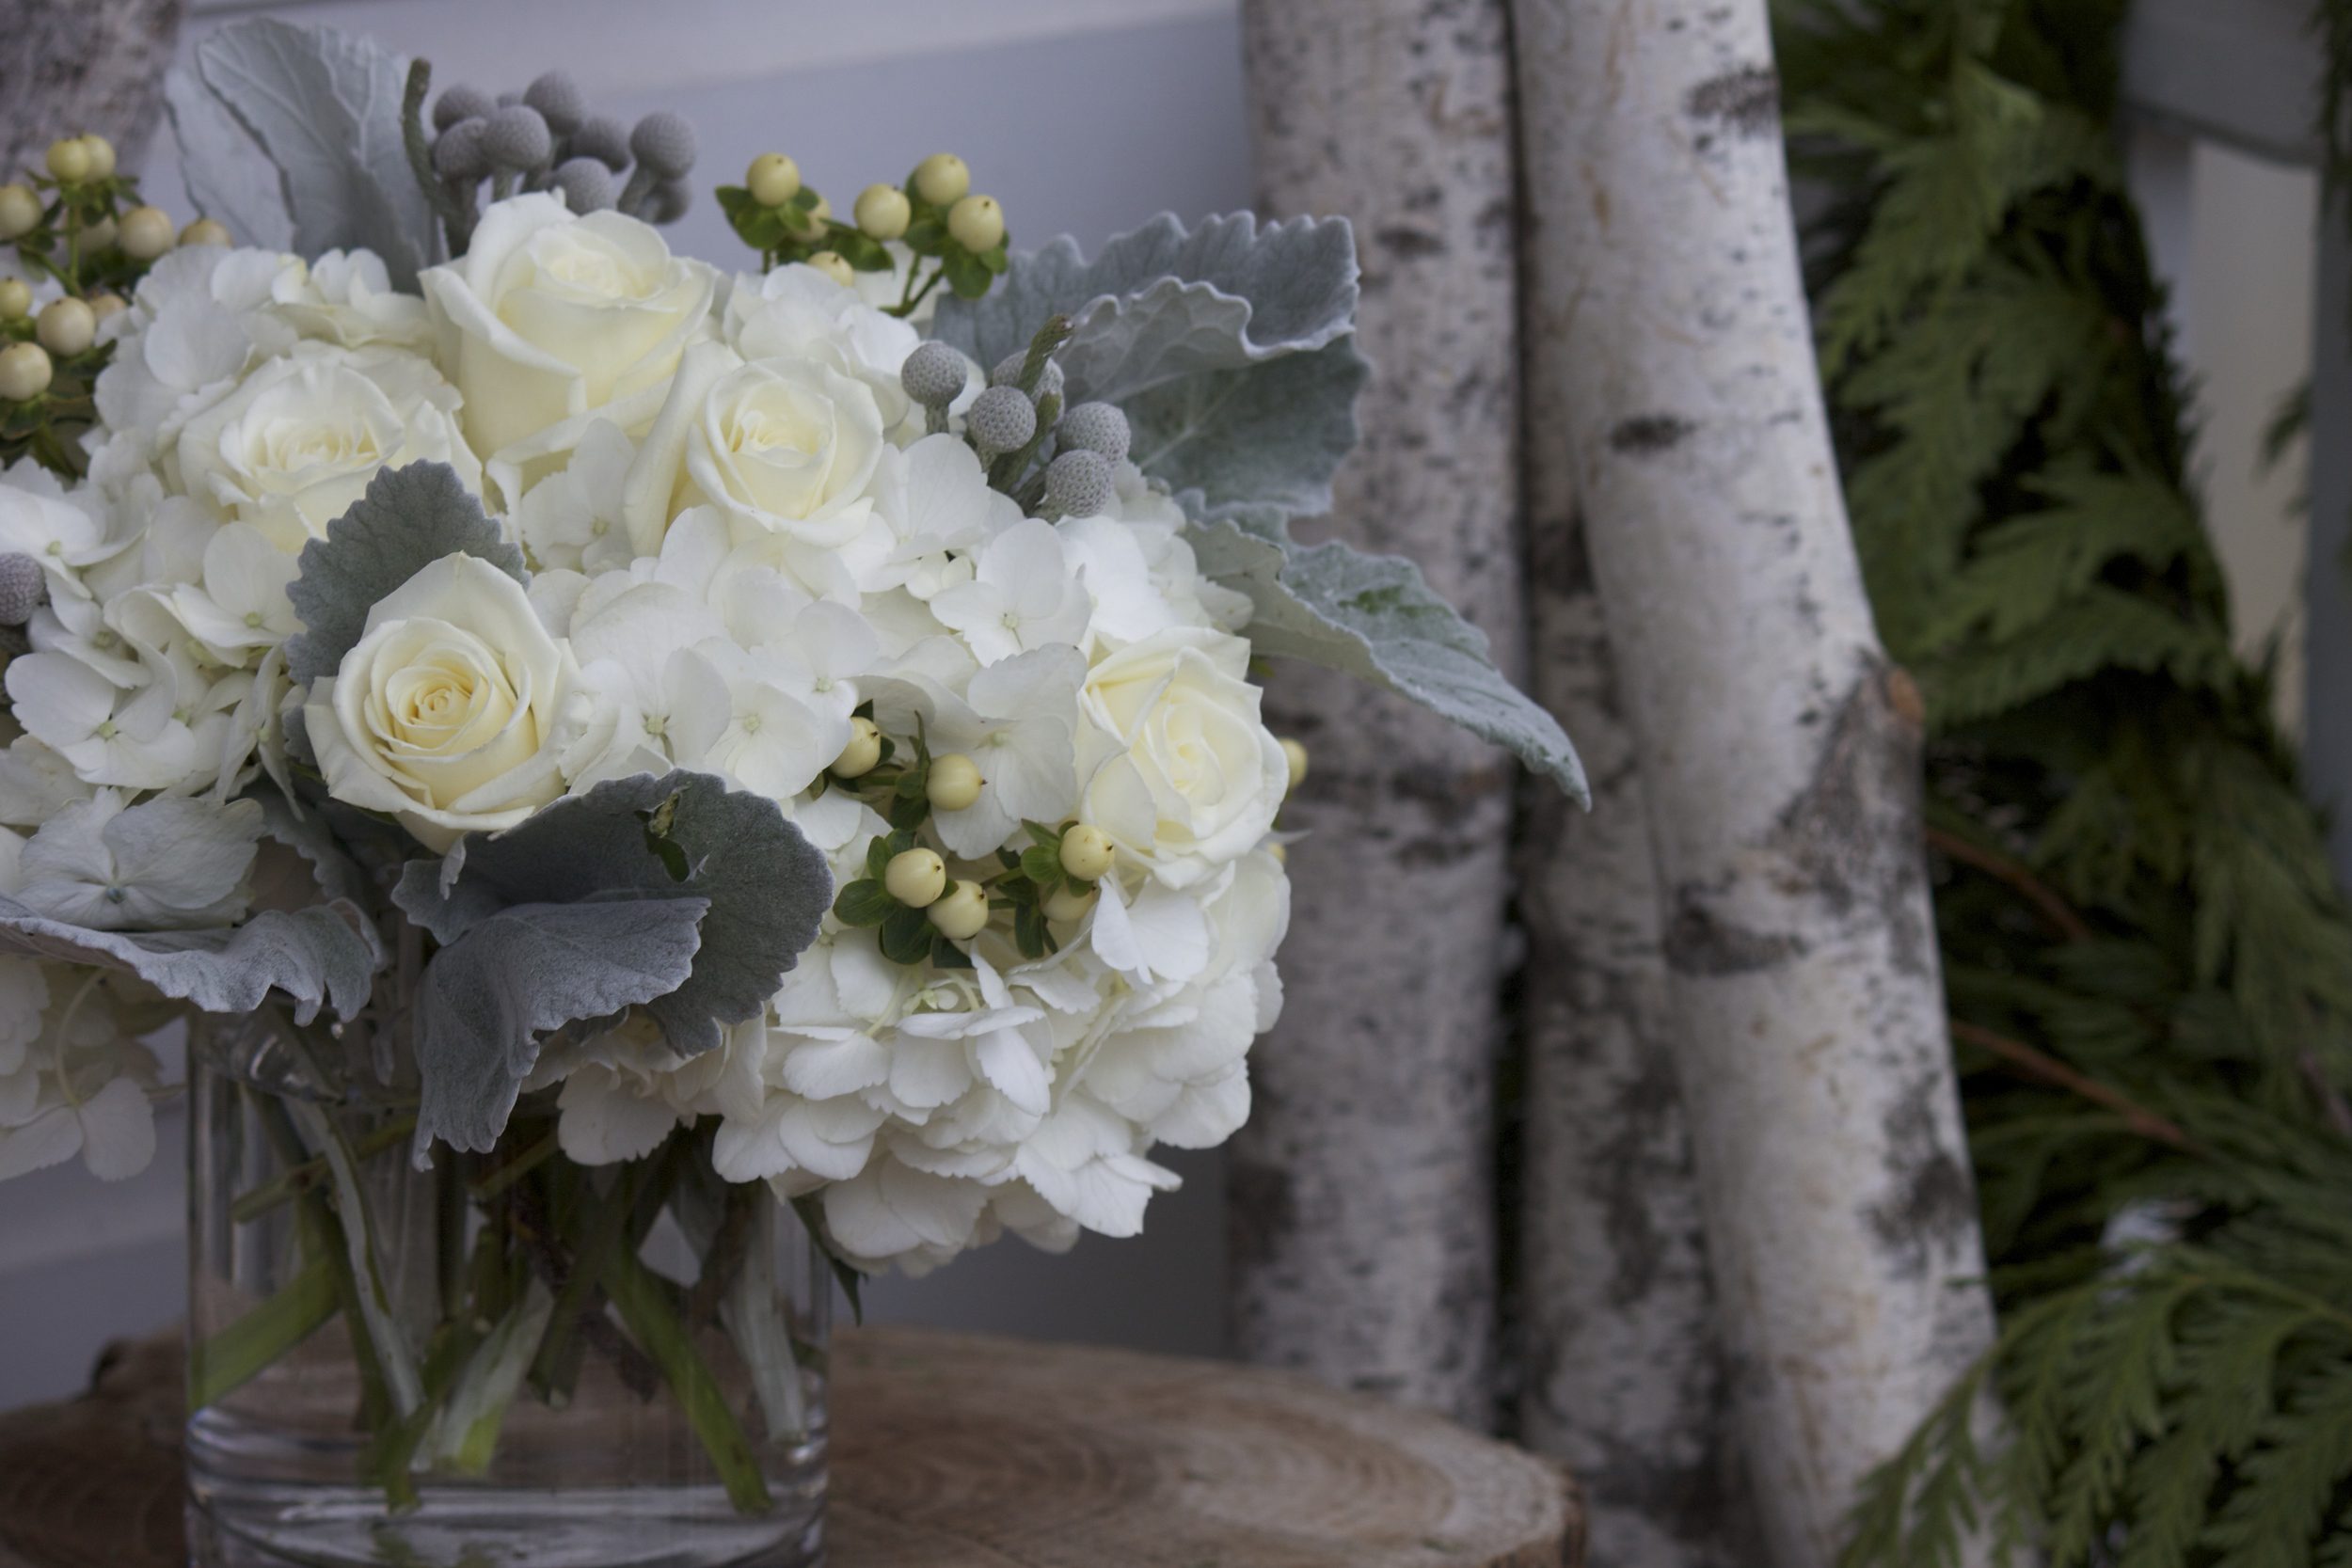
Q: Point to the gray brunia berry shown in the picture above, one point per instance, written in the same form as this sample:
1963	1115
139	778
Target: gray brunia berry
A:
559	101
665	143
22	587
461	101
458	155
1001	419
586	184
1007	373
516	137
1097	427
933	375
603	139
1078	483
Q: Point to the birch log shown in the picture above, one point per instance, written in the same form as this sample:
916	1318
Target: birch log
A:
1625	1377
1362	1188
1779	752
75	66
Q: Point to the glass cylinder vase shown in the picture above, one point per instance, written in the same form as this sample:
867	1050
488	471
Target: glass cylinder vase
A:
507	1359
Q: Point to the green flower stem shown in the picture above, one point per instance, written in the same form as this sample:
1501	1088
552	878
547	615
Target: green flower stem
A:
228	1360
449	1238
400	1368
599	1224
646	1312
522	1165
255	1202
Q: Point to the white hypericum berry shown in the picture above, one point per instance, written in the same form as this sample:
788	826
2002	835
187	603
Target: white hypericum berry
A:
16	299
1086	853
559	101
1001	419
1097	427
146	232
914	878
586	184
459	154
19	210
101	157
460	103
772	179
882	211
836	266
103	306
97	236
1078	483
66	327
942	179
24	372
516	137
665	143
603	139
1295	756
933	375
22	587
205	231
68	160
859	758
1009	369
954	783
976	223
1065	903
962	912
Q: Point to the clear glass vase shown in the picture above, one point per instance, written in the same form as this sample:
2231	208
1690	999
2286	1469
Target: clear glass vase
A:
505	1360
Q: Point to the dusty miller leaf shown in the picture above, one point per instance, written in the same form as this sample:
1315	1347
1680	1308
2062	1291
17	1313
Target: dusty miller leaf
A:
488	996
324	107
323	955
1373	617
410	518
304	829
1227	345
228	177
767	886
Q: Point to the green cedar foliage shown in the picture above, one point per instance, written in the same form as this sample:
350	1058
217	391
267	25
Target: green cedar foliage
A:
2149	964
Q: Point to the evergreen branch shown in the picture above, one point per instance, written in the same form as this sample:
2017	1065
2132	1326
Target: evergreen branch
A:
2049	1069
2044	898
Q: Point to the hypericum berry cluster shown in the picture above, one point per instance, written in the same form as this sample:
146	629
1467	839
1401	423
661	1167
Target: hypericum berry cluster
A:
543	138
935	216
1056	462
77	225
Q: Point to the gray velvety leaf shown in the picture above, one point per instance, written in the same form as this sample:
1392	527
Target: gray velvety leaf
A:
410	518
1162	302
1373	617
226	176
766	885
1256	444
324	107
307	836
323	955
487	997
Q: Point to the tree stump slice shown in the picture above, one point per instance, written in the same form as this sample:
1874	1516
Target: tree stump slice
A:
954	1451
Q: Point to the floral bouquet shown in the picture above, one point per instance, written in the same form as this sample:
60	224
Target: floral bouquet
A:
630	772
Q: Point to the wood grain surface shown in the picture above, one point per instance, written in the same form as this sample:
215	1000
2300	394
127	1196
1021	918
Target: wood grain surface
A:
954	1451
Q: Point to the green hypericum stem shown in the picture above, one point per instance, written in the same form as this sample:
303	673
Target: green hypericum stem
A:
467	1433
646	1311
351	1205
494	1183
228	1360
450	1213
599	1224
279	1189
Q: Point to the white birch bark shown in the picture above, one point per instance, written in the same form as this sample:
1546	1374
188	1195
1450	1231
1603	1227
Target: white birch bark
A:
1625	1379
1779	752
1362	1188
69	67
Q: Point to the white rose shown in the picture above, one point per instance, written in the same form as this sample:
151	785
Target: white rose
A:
293	446
347	297
549	315
1180	771
798	312
443	714
780	446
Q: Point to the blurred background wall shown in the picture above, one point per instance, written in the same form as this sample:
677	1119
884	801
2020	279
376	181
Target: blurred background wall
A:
1084	116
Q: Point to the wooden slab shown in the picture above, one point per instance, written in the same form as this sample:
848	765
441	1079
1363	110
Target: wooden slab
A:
955	1451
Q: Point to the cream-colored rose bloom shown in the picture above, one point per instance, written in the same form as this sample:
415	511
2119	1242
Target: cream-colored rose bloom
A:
443	714
780	446
297	442
347	297
1180	770
549	315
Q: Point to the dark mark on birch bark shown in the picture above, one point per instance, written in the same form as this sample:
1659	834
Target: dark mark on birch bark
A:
1747	102
1645	433
1934	1199
1697	943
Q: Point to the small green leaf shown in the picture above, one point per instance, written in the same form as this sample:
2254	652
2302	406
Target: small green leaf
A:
947	955
906	935
862	903
1042	865
1028	931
